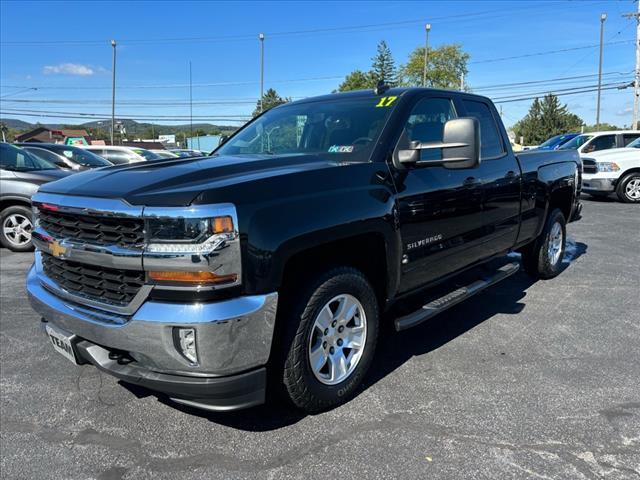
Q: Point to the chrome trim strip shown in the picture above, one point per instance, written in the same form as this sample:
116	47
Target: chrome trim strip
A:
110	256
57	290
106	207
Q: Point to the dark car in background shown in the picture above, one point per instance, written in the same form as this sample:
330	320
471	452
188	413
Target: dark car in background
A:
66	157
21	173
188	153
555	142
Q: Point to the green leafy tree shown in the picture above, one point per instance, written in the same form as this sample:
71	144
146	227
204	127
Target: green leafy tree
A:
445	65
357	80
383	67
270	99
546	118
603	127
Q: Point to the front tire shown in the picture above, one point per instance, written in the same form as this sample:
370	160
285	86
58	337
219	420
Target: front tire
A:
543	258
331	335
16	226
628	189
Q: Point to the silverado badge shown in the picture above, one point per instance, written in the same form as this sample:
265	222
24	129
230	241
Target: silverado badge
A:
56	249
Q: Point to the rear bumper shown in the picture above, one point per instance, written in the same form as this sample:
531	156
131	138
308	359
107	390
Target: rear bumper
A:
233	339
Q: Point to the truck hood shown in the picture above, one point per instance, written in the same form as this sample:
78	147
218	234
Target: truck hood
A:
176	182
612	154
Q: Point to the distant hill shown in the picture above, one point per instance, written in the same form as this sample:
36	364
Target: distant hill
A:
132	127
16	124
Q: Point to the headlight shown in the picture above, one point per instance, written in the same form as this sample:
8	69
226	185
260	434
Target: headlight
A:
197	245
608	167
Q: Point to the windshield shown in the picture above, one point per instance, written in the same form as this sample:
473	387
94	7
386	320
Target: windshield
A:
344	129
146	154
555	141
80	156
19	160
634	144
576	142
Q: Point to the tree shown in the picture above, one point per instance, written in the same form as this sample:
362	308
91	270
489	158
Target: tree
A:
357	80
383	67
445	67
269	100
545	119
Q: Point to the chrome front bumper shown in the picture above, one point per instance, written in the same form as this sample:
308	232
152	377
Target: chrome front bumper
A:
232	336
598	184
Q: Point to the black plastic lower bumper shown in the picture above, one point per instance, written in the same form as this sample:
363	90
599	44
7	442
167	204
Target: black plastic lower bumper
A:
210	393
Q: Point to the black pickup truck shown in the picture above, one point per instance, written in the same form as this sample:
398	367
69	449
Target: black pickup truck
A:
271	261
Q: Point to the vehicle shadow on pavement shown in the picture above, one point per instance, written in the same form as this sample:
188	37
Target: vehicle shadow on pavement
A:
394	348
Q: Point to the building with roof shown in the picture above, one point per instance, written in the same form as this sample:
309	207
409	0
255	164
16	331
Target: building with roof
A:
66	136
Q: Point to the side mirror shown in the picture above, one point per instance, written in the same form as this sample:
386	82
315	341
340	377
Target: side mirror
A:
223	139
460	147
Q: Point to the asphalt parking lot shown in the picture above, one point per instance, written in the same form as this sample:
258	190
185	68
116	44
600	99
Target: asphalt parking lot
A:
527	380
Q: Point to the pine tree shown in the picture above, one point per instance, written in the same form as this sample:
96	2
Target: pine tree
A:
383	67
270	99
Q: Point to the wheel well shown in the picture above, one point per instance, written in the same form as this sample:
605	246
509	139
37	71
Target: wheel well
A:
627	172
366	253
14	201
561	198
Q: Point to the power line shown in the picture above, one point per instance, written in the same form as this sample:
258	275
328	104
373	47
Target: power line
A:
618	87
13	111
546	81
180	85
549	52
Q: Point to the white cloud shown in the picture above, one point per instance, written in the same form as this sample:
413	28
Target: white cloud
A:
68	69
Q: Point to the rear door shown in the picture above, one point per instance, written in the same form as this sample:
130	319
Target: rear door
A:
440	209
500	177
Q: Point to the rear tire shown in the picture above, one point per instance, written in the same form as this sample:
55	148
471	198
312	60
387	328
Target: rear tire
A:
330	338
16	225
628	189
543	258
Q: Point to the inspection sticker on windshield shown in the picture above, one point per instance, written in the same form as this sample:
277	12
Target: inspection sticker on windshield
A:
341	149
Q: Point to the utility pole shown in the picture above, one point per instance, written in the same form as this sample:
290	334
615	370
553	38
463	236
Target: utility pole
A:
427	28
190	102
603	17
636	83
113	92
261	38
462	82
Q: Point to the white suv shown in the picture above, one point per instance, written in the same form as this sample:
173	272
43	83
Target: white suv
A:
616	170
119	155
586	143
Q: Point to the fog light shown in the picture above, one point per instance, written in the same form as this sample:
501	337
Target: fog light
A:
185	340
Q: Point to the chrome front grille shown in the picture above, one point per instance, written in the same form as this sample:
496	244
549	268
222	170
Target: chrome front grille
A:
98	230
589	166
106	285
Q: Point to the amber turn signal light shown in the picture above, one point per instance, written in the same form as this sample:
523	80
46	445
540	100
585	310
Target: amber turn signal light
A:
222	224
208	278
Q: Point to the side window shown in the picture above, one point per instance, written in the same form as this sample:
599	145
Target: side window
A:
490	138
426	123
603	142
627	138
47	155
116	157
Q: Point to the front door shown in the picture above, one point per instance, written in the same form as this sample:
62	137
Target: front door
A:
440	209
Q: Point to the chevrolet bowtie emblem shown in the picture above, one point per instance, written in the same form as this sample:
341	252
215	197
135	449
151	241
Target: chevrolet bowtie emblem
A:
56	249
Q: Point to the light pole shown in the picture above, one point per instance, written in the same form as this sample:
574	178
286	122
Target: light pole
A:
261	37
636	81
427	28
190	104
603	17
113	91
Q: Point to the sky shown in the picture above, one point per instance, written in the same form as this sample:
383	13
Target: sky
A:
63	49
